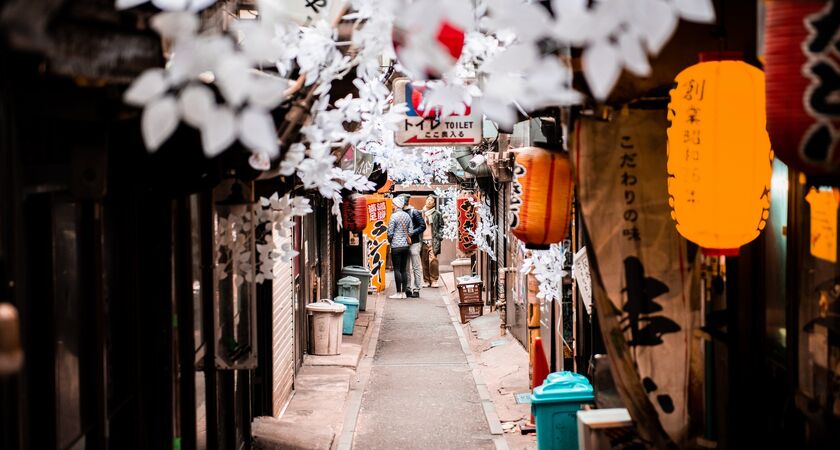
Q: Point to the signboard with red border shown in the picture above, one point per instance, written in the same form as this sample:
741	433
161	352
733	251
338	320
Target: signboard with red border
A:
424	127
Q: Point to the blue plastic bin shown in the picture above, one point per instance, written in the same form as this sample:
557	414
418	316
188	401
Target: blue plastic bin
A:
350	314
555	405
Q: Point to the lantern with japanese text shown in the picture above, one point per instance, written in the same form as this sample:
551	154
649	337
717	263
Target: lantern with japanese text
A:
354	213
803	116
541	198
467	221
719	156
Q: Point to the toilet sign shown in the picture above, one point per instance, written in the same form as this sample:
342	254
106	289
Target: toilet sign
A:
423	127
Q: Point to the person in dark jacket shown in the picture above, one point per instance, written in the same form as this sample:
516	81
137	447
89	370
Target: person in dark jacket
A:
432	238
399	233
419	225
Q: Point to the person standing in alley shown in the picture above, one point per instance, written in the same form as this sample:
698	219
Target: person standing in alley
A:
431	242
399	236
419	225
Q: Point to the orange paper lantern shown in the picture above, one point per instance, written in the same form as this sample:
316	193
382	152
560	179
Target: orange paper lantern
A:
719	156
541	201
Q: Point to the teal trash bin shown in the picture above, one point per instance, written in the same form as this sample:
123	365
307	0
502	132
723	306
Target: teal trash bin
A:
350	314
555	405
349	287
363	275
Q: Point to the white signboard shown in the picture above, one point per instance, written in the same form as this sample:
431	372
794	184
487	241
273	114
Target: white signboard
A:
423	127
304	12
580	272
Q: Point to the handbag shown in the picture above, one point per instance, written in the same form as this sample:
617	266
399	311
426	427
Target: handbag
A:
407	235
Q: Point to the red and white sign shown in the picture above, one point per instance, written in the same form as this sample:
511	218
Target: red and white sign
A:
425	127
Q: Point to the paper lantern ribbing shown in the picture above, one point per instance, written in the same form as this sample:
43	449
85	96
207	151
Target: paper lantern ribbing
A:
541	201
801	79
719	156
354	213
467	221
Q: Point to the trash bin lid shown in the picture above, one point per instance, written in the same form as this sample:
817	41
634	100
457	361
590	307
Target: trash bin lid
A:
563	387
356	270
349	281
326	305
346	300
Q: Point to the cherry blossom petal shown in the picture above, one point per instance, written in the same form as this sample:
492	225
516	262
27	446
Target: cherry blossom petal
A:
195	102
633	54
701	11
656	21
125	4
171	5
260	161
601	67
147	87
218	131
198	5
175	24
257	131
232	77
267	91
159	121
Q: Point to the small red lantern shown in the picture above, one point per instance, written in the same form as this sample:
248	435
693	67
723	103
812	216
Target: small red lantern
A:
801	81
541	202
467	221
354	213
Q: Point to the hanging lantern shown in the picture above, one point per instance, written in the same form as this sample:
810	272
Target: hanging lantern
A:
354	213
719	156
467	221
802	81
429	36
541	201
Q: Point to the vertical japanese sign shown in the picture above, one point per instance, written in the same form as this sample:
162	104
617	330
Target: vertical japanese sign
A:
824	203
623	191
467	221
376	238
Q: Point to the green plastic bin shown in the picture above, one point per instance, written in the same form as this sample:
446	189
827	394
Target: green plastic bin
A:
350	314
555	405
363	275
349	287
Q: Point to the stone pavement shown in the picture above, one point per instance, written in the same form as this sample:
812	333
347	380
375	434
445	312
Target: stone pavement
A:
324	387
421	392
502	363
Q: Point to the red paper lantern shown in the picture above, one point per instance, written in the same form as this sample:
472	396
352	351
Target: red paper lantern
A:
467	221
354	213
541	202
802	77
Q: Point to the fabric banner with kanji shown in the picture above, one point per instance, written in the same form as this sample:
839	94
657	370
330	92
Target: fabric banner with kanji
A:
623	191
376	239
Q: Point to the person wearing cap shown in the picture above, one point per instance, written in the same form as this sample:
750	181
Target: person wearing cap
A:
399	236
432	237
414	250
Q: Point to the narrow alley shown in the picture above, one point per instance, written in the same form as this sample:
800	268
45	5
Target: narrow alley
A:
421	393
419	224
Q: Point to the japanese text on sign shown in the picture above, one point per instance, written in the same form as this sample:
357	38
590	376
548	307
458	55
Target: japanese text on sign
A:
627	163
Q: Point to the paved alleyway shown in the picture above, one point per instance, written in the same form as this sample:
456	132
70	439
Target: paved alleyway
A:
421	393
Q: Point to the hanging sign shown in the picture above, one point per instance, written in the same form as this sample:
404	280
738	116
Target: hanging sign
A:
824	203
623	192
376	239
467	221
580	272
423	127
